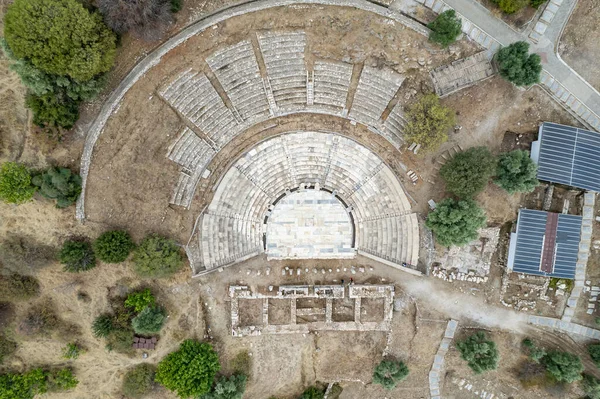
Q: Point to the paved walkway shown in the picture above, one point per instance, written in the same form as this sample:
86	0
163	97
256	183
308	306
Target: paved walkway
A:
564	84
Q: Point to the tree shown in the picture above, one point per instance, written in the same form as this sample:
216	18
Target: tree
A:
591	387
139	380
516	65
445	29
389	373
516	172
60	37
149	321
594	351
428	122
15	183
189	371
147	19
59	184
77	256
139	300
563	366
52	111
102	326
480	354
456	222
113	246
157	257
228	388
468	172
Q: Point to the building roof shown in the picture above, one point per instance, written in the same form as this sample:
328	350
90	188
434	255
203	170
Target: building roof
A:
569	155
545	244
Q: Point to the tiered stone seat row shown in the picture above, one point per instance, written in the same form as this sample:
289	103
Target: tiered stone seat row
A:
376	88
395	238
393	128
283	54
237	70
309	155
192	95
191	151
332	81
184	189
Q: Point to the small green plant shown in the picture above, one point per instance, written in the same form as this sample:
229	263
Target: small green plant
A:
242	364
113	246
139	300
61	380
59	184
480	353
228	388
312	393
189	371
445	29
72	351
102	326
139	381
512	6
149	321
176	5
594	351
15	183
16	287
528	343
157	257
390	373
77	256
563	366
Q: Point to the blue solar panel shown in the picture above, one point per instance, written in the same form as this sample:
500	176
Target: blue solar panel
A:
569	155
531	227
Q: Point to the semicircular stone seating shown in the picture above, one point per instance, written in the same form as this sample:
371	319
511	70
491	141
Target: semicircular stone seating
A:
240	93
232	227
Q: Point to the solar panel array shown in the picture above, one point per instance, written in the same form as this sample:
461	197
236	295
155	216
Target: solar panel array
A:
569	155
531	228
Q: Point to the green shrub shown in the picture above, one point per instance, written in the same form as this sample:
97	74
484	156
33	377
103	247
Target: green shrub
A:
516	65
455	222
113	246
139	380
77	256
40	319
61	380
16	287
591	387
59	184
242	364
72	351
480	353
7	347
139	300
389	373
102	326
176	5
22	386
467	173
594	351
516	172
146	19
50	110
445	29
15	183
512	6
157	257
312	393
537	354
563	366
19	253
528	343
428	122
60	37
536	3
149	321
120	340
189	371
228	388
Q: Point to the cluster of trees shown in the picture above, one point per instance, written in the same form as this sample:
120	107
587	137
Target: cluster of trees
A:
62	51
516	65
512	6
18	184
455	222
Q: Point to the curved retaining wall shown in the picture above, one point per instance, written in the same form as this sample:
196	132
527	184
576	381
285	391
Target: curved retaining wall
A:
155	57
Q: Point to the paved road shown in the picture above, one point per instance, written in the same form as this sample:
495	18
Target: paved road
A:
546	47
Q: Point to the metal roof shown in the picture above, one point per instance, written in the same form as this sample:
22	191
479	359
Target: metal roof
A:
530	241
569	155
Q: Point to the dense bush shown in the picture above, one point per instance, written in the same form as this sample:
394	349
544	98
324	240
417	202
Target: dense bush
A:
15	183
176	5
312	393
147	19
16	287
102	326
24	385
428	122
516	172
468	172
7	347
389	373
594	351
140	299
445	29
480	353
59	184
51	111
77	256
591	387
149	321
72	351
19	253
61	380
536	3
60	37
456	222
563	366
512	6
113	246
120	340
228	388
157	257
189	371
516	65
40	319
139	381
